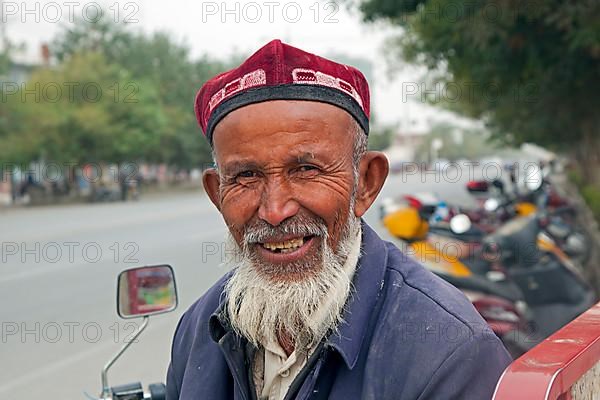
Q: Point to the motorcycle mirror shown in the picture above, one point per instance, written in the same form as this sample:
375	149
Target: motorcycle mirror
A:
145	291
533	178
491	204
460	223
477	186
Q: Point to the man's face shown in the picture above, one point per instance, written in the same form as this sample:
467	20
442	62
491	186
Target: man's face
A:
286	181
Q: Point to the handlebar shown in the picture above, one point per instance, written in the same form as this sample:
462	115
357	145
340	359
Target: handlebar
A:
158	391
135	391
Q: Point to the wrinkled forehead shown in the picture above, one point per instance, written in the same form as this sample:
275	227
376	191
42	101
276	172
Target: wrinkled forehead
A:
284	129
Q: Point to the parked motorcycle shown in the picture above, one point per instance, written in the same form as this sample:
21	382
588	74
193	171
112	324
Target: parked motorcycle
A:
537	196
552	284
540	288
498	300
141	292
534	196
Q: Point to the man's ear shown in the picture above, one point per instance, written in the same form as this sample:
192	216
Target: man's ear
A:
211	182
373	171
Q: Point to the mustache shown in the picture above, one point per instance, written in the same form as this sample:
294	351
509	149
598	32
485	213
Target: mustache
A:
301	225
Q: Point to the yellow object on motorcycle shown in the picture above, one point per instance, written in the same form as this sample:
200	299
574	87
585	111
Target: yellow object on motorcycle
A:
524	208
545	243
406	223
437	260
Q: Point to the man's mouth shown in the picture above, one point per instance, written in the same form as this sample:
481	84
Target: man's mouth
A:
286	246
287	249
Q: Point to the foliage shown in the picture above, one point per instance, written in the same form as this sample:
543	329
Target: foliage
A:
531	70
158	60
590	193
124	96
4	63
111	118
380	138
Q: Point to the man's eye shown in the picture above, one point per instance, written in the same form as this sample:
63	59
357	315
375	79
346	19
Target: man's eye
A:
246	177
246	174
306	168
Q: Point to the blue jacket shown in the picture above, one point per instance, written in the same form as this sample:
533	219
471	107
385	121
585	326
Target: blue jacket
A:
407	335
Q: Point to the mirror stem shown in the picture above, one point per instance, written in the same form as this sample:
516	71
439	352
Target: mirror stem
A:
105	388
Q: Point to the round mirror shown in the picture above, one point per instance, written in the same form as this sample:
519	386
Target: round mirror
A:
491	204
146	291
460	223
533	177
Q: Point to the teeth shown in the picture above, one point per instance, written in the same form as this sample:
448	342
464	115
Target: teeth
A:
288	245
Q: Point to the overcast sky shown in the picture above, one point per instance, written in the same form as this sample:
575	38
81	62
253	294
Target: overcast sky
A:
224	28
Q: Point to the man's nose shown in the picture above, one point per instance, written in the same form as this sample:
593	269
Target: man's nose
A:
277	203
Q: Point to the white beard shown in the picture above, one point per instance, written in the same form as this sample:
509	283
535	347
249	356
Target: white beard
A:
262	304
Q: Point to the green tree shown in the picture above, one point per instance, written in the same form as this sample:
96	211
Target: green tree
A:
86	110
156	59
530	69
9	110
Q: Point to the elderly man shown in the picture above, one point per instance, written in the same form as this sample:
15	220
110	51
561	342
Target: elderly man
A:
316	306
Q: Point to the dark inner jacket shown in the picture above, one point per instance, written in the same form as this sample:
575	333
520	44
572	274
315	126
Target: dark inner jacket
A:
407	334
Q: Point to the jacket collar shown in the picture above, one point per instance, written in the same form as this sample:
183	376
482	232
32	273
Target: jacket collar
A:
360	308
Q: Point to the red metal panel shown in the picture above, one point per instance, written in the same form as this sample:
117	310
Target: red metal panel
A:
550	369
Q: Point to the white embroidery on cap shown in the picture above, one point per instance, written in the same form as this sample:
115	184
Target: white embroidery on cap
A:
251	79
312	77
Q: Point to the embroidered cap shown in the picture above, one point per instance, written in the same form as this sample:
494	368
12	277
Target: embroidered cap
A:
278	71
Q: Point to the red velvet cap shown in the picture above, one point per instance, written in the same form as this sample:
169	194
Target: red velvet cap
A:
281	72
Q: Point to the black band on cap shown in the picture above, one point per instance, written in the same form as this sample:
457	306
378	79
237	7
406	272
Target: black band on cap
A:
291	91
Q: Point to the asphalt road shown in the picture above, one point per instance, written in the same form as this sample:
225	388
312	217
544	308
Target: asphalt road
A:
58	274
